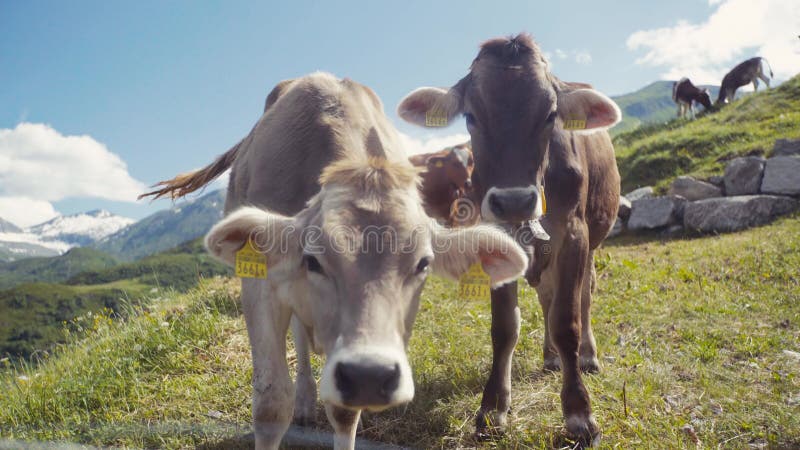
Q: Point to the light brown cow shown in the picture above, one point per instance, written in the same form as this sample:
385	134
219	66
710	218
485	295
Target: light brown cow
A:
744	73
348	247
446	178
532	132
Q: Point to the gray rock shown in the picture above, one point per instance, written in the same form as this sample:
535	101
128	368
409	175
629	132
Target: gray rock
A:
786	147
617	229
782	176
624	210
716	215
717	181
657	212
743	175
692	189
637	194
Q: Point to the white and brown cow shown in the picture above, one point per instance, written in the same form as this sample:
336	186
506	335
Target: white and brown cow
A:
533	133
324	190
686	94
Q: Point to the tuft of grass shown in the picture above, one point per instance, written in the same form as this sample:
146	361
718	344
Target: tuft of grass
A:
655	154
694	330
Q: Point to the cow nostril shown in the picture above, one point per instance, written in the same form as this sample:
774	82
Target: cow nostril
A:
344	377
468	184
495	205
392	381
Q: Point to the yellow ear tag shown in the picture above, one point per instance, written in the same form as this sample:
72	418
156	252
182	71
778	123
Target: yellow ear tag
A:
250	263
544	201
475	284
439	164
575	124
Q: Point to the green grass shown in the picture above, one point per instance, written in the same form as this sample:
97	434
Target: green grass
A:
655	154
693	330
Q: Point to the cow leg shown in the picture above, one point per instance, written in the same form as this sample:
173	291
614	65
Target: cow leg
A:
545	292
267	322
344	422
305	402
755	84
764	78
505	331
565	326
588	348
680	110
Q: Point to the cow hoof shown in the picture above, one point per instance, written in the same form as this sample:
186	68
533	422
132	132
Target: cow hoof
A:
552	364
589	364
490	424
583	430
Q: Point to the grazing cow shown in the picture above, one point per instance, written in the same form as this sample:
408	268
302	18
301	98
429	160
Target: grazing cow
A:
685	94
744	73
521	120
324	191
446	178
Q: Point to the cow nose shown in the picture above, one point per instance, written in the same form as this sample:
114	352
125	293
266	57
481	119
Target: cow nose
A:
514	205
362	384
468	184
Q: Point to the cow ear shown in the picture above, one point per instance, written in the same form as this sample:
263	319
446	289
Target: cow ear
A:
587	109
456	249
272	235
430	107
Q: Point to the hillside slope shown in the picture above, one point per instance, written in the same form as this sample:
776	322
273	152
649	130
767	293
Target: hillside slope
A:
655	154
694	331
32	315
53	269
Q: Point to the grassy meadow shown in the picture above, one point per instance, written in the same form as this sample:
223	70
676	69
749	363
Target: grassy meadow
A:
695	338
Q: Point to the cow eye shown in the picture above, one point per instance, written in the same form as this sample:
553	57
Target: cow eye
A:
423	265
470	119
312	264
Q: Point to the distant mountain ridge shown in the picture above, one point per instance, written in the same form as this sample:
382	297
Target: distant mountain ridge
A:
57	235
165	229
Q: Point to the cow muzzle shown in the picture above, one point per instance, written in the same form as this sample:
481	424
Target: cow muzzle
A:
367	378
511	205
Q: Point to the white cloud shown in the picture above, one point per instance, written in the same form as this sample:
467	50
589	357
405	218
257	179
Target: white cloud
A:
735	30
415	146
39	165
561	54
583	57
25	211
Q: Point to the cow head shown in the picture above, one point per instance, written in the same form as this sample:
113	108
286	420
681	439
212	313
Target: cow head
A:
704	98
456	166
356	259
512	104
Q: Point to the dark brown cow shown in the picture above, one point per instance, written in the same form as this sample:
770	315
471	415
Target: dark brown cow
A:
447	177
744	73
685	94
520	118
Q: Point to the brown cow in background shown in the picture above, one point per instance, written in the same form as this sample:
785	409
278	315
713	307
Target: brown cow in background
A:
446	179
747	72
685	94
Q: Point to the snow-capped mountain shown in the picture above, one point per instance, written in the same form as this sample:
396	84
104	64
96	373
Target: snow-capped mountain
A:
57	235
81	229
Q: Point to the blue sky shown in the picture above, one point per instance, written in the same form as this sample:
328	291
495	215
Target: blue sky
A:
167	86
